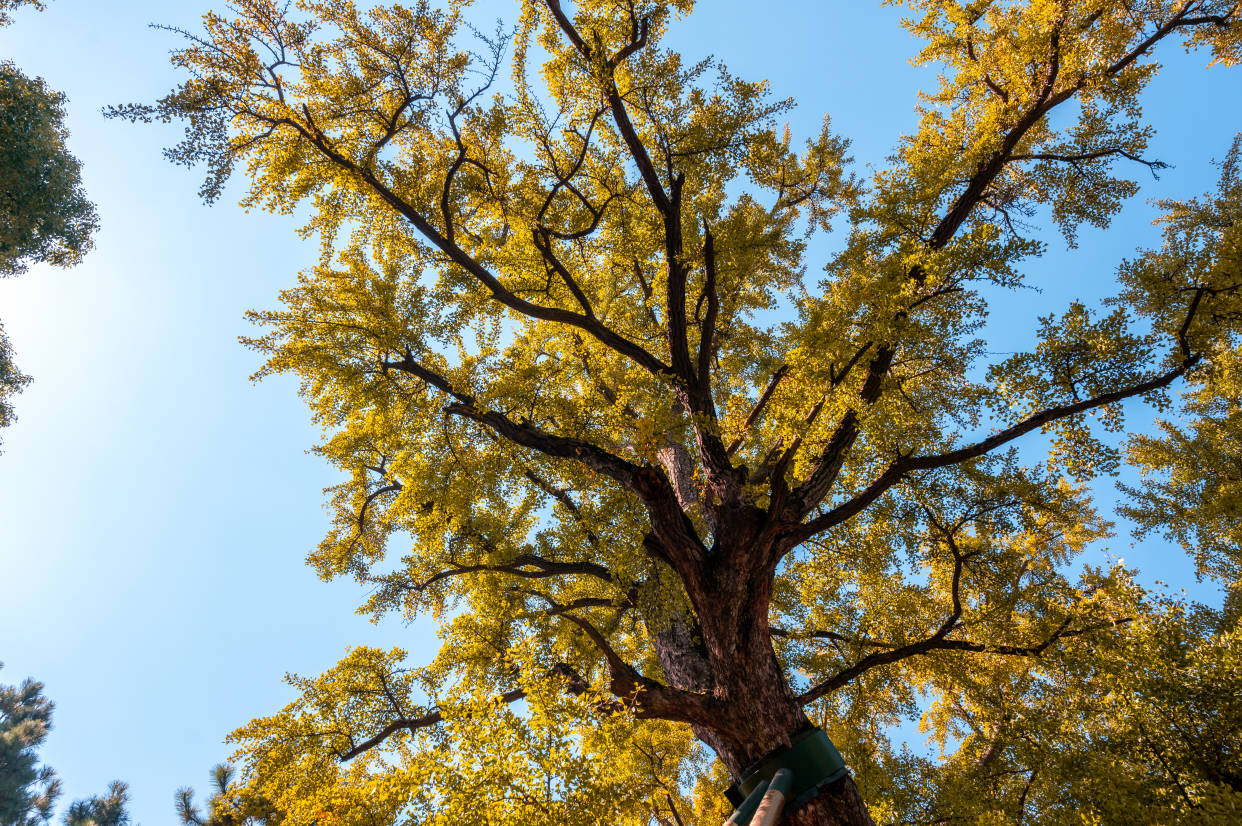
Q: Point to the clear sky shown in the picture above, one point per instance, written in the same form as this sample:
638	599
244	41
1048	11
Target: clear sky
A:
155	506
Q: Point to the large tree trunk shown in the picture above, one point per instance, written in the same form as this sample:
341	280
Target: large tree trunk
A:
760	715
771	727
838	805
725	649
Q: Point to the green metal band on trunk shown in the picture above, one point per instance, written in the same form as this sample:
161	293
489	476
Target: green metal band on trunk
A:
812	759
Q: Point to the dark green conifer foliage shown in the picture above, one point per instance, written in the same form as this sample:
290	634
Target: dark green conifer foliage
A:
27	790
227	805
101	810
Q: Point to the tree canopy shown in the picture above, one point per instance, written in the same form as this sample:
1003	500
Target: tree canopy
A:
7	6
29	791
671	496
223	807
101	810
44	214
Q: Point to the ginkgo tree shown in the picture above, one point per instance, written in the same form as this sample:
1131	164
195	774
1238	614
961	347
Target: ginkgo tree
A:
670	496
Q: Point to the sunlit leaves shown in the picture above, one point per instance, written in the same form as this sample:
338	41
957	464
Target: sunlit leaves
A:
44	214
591	416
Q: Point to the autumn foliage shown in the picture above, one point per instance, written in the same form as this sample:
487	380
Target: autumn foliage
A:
667	482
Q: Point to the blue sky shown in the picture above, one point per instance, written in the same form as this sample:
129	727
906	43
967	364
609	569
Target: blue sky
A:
155	506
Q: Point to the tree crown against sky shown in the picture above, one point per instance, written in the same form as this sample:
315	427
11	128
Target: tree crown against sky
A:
223	807
44	214
657	479
7	6
101	810
29	791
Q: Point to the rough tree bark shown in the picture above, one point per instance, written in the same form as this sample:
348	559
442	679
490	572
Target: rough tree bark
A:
725	651
759	714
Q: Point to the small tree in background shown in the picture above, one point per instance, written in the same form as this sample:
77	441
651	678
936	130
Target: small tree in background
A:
28	792
101	810
227	805
44	214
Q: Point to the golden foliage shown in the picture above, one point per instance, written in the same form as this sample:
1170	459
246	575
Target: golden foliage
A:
593	416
